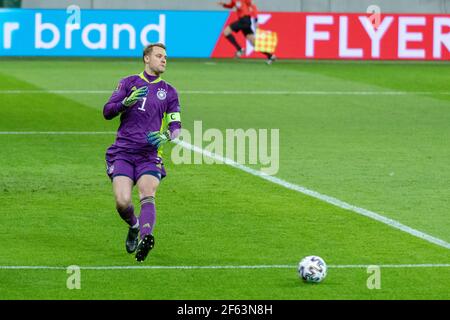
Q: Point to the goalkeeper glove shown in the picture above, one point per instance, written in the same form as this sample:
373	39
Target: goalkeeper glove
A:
136	95
157	138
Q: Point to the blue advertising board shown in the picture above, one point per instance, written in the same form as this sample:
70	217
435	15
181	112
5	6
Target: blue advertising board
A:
108	33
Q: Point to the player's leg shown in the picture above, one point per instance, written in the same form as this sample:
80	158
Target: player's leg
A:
147	185
251	38
270	58
122	188
228	33
121	172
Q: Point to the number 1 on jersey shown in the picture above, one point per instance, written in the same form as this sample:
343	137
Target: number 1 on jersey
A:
143	104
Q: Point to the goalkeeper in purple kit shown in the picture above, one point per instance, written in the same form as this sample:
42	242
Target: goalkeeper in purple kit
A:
149	117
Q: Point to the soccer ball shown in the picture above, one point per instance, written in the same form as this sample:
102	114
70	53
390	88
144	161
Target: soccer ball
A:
312	269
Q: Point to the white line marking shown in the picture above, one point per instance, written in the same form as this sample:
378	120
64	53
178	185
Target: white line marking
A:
336	202
276	266
55	132
240	92
320	93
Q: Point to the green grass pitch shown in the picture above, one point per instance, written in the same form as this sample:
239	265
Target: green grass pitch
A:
387	152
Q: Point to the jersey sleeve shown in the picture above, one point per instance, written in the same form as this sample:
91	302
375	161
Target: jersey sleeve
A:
173	114
114	105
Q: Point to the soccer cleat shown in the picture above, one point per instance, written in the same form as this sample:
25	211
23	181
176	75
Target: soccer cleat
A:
132	240
271	59
144	247
239	53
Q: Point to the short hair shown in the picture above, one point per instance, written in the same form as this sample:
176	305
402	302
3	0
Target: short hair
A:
149	48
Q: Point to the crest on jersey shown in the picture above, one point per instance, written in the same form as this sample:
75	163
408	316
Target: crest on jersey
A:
161	94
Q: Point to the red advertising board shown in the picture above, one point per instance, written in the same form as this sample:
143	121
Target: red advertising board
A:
350	36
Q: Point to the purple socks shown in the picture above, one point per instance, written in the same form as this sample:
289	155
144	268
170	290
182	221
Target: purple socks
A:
128	215
148	216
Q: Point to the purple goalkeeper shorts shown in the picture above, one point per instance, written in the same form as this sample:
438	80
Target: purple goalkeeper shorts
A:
133	165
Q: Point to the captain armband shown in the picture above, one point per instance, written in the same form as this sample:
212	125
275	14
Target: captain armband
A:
174	116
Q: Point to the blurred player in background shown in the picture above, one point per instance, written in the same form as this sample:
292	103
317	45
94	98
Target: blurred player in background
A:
246	11
149	117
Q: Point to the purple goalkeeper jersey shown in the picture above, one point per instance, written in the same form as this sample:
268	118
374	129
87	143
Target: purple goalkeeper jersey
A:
146	115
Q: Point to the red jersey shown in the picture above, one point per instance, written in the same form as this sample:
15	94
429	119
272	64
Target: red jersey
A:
243	8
